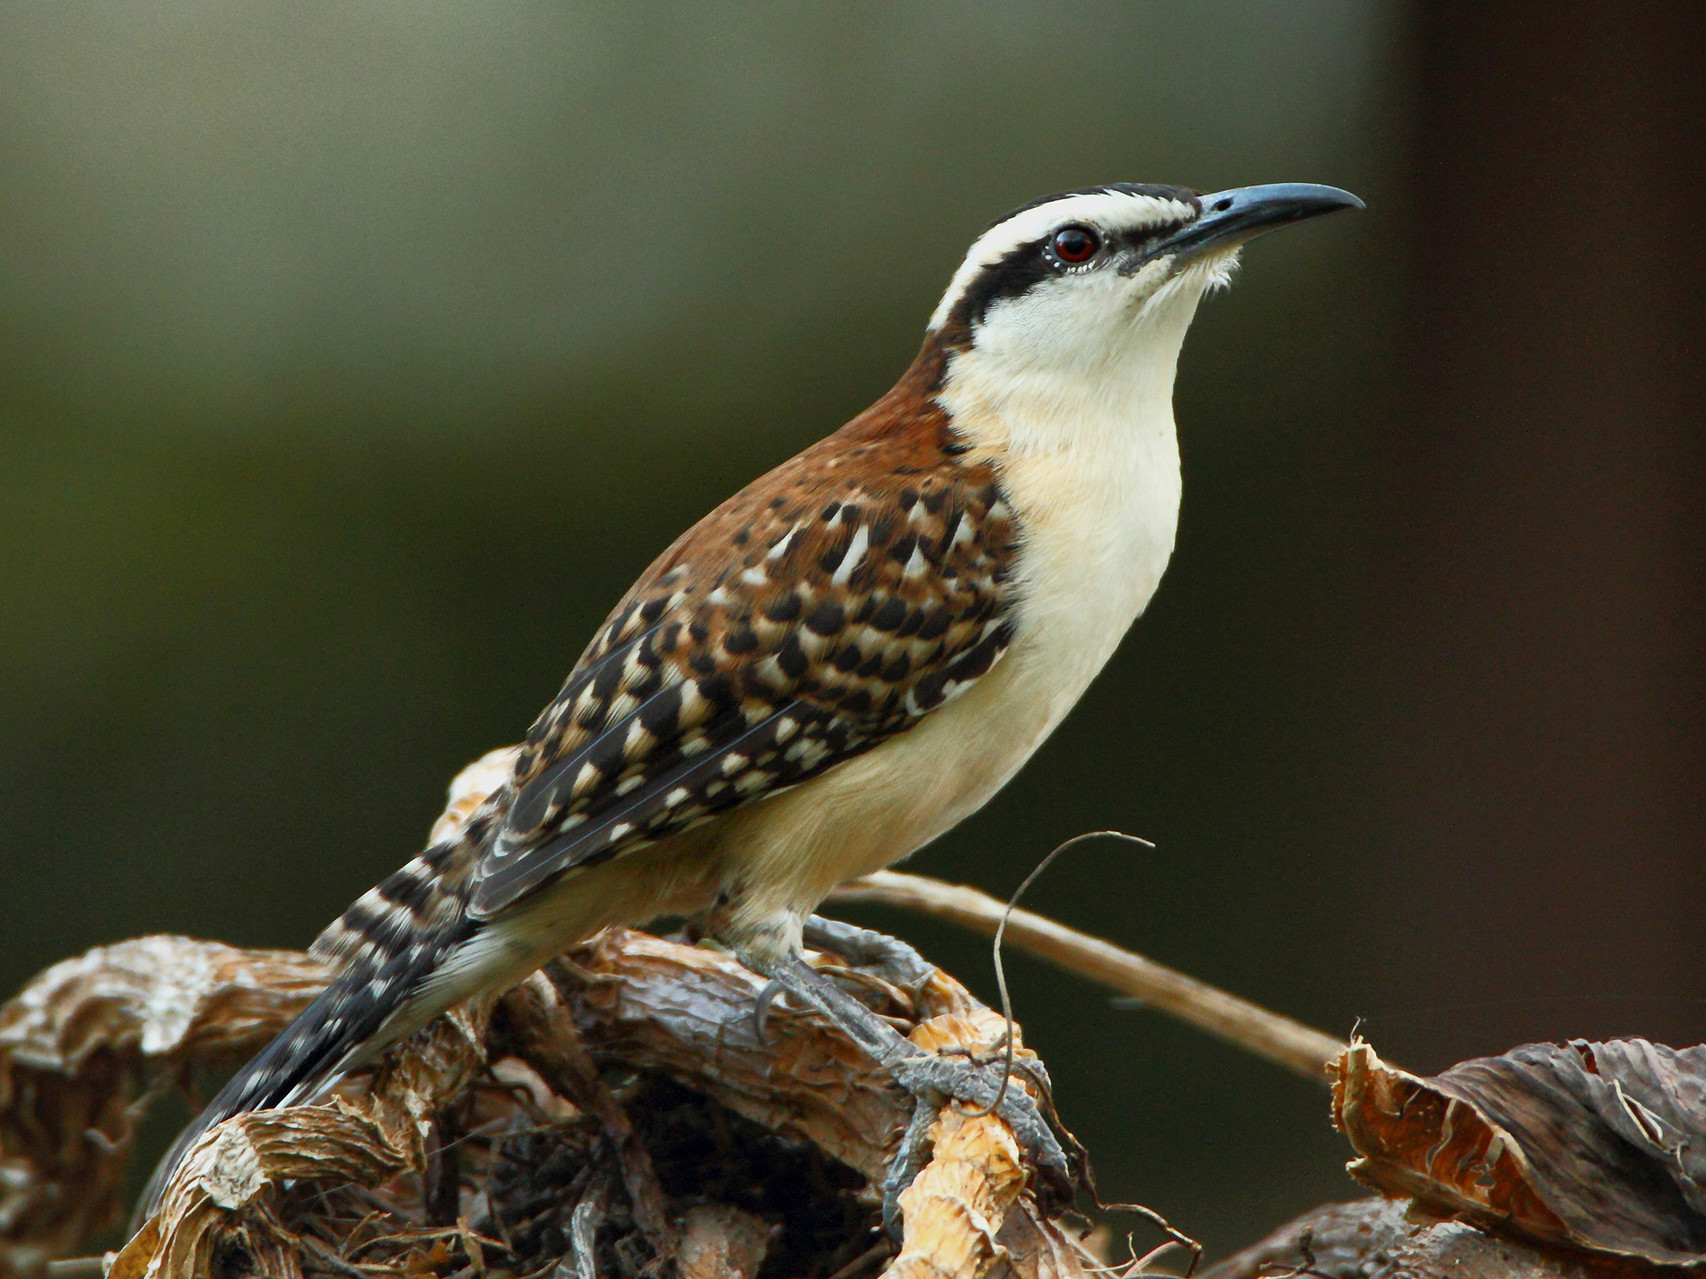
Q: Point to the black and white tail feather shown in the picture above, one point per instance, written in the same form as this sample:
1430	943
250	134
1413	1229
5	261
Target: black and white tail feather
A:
388	946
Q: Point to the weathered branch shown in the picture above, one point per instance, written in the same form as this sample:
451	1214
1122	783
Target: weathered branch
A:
1269	1035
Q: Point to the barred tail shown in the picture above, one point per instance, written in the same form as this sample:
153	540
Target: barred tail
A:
391	943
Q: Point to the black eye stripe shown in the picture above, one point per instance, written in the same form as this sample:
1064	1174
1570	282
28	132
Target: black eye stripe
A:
1025	265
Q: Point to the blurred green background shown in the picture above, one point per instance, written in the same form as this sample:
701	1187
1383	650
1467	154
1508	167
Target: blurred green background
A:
354	358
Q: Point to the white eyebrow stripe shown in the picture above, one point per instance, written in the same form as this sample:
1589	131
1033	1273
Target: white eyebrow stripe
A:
1108	210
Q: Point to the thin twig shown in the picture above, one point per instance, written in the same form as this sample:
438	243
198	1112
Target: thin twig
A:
1001	968
327	1257
1269	1035
1176	1238
582	1261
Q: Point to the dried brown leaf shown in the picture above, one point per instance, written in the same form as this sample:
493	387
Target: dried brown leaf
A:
1598	1147
719	1242
1402	1239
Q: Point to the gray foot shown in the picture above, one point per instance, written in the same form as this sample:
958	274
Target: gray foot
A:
889	957
934	1080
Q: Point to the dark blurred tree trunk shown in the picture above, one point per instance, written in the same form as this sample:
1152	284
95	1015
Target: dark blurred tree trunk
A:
1548	551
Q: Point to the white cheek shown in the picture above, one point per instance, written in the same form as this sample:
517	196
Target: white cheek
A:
1076	365
1090	326
1059	321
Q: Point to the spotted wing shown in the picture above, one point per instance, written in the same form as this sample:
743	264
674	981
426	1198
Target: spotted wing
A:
813	615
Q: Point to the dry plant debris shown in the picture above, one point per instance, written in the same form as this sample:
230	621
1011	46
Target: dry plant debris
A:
1596	1147
616	1115
89	1042
1402	1239
619	1116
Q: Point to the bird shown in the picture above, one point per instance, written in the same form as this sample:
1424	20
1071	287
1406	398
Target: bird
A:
834	667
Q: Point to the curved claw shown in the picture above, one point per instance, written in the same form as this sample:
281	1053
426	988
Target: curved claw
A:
761	1011
933	1080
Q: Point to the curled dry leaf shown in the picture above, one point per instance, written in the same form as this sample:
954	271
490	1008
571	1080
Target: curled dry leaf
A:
719	1242
957	1207
1599	1147
639	1089
161	998
624	1109
1338	1241
83	1040
225	1196
687	1012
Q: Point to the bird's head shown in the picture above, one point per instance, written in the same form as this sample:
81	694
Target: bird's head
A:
1105	281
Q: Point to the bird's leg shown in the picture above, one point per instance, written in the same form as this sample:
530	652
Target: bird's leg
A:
934	1081
863	949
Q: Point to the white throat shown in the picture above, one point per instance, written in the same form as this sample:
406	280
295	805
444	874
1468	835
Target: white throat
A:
1088	455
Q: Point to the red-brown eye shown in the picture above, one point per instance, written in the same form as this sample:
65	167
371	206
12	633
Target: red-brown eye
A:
1075	244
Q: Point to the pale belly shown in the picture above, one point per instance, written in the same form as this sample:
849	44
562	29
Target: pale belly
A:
785	855
1090	567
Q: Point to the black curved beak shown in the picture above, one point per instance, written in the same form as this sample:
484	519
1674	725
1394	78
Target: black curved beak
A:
1231	217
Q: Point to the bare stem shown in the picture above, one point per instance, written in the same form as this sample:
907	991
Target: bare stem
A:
1245	1025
